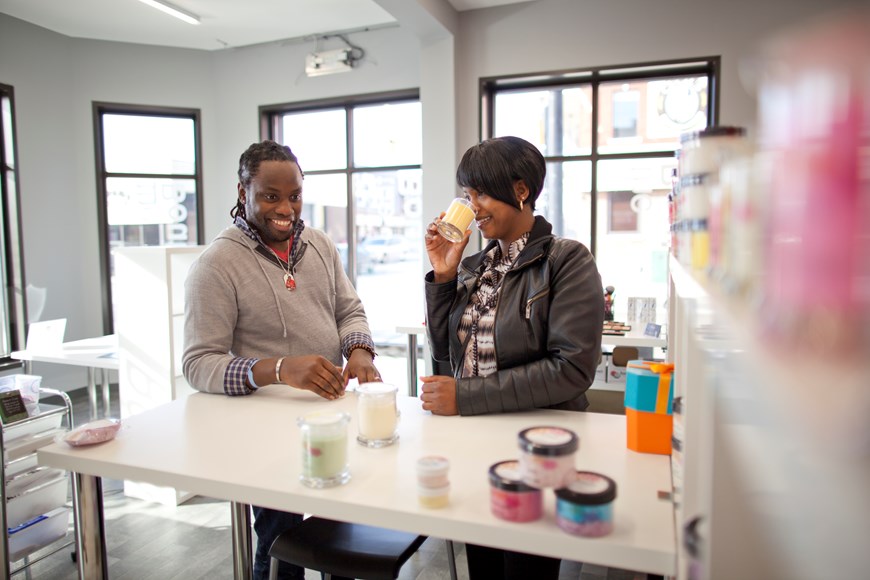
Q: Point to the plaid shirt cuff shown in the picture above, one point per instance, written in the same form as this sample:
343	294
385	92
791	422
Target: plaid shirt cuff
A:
356	340
235	376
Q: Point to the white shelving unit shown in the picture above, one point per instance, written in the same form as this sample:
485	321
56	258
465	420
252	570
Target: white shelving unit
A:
776	458
149	322
33	499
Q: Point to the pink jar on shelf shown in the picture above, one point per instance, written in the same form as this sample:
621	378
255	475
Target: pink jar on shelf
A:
547	458
509	498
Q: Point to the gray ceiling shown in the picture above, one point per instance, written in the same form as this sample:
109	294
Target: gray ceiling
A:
223	23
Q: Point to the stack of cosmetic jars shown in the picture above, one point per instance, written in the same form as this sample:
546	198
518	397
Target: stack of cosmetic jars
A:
584	500
701	155
433	486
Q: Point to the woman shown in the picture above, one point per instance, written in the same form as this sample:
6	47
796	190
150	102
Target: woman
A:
516	326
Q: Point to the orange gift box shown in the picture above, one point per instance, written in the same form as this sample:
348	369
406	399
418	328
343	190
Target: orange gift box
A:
649	432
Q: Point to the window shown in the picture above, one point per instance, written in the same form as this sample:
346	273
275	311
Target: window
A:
12	311
149	180
609	137
362	160
622	217
625	105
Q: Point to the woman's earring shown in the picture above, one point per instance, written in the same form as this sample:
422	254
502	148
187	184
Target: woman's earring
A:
521	205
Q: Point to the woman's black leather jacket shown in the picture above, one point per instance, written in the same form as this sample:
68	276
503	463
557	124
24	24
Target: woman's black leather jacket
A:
547	327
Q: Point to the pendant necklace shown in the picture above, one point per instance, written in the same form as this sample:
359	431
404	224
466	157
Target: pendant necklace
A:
289	281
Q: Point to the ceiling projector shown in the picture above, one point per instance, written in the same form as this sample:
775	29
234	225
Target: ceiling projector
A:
328	62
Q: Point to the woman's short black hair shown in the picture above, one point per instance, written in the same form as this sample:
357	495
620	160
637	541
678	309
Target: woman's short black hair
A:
492	167
249	162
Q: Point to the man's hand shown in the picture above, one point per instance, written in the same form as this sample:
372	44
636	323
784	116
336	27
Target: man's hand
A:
313	373
439	395
360	366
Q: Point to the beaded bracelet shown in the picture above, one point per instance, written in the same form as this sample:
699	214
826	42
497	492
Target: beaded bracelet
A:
363	346
278	369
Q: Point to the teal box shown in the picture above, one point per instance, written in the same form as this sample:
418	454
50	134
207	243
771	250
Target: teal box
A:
649	387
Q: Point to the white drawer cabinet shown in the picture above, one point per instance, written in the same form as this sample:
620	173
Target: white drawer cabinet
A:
34	513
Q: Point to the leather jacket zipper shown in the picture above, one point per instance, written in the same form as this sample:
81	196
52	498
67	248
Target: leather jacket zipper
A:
533	299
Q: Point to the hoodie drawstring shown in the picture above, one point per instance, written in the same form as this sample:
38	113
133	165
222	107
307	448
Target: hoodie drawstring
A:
274	294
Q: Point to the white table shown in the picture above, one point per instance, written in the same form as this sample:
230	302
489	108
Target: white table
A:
634	338
98	353
211	445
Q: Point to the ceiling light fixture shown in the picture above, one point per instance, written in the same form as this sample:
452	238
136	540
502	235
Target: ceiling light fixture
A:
173	10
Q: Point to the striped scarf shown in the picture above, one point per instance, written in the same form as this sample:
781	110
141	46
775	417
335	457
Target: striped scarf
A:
478	320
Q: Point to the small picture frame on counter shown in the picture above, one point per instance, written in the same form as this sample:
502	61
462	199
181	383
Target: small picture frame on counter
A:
652	329
12	407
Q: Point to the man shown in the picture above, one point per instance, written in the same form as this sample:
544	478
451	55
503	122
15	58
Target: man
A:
269	302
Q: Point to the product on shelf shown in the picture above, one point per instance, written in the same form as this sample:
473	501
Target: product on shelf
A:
814	114
649	393
701	156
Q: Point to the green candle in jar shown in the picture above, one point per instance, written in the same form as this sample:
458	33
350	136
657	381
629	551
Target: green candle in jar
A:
324	449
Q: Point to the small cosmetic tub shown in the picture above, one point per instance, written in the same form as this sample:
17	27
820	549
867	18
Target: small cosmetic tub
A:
509	498
585	506
434	497
547	458
432	471
433	487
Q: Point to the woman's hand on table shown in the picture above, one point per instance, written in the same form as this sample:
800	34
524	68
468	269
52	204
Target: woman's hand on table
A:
439	395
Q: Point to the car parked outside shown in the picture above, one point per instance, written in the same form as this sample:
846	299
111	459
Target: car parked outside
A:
364	262
387	249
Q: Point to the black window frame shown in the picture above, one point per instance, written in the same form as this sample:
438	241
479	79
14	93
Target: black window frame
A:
14	279
271	127
99	109
594	77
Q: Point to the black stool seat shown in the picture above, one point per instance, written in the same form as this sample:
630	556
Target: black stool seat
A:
342	549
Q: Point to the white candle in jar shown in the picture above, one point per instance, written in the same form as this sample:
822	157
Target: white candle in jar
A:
378	416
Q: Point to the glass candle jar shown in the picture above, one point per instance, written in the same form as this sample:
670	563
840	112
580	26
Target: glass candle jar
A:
324	449
377	414
547	458
509	498
584	507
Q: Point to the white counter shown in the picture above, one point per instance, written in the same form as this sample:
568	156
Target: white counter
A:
248	450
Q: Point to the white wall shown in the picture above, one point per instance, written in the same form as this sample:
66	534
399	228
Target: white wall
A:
56	79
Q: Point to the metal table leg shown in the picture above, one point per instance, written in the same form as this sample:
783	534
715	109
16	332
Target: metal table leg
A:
107	409
243	562
412	364
92	393
90	526
451	560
